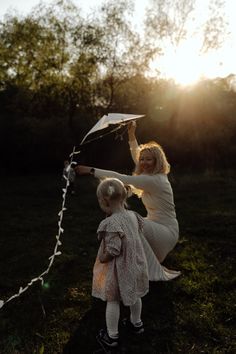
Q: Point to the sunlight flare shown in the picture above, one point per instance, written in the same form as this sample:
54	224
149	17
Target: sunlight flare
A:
186	65
182	64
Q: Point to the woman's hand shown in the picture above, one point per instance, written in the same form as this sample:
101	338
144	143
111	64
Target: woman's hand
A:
82	170
131	130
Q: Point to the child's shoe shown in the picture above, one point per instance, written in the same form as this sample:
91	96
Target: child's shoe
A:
104	338
132	328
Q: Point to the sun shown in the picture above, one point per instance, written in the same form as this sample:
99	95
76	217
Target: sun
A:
186	65
183	64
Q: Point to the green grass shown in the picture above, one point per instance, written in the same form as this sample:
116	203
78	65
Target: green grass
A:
192	314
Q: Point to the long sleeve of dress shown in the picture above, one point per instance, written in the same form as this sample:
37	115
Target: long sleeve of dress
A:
143	182
135	150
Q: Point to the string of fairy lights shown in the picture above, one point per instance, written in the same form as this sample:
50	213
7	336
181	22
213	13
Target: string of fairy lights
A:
58	244
56	251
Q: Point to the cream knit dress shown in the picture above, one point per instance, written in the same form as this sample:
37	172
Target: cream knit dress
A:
125	277
161	230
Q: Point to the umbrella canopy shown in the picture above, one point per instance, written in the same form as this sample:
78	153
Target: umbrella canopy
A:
112	119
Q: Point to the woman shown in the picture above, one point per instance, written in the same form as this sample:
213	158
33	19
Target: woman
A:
161	230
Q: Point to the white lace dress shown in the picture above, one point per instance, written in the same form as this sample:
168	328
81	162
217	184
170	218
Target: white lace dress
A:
161	229
125	277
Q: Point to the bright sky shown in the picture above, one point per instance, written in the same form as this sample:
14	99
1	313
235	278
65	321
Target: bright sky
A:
24	6
184	64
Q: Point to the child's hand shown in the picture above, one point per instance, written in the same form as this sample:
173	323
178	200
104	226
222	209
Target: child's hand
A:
105	257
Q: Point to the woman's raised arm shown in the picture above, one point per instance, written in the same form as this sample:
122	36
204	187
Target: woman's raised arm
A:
133	144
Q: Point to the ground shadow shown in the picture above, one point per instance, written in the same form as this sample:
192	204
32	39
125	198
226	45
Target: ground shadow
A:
158	317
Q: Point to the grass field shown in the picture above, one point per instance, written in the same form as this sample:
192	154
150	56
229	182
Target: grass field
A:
192	314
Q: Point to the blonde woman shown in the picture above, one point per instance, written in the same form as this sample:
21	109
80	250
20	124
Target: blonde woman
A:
151	184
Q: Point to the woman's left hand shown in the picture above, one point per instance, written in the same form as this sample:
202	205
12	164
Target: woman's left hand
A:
131	130
82	170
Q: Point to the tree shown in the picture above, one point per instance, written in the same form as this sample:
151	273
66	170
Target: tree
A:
167	20
122	55
215	27
170	23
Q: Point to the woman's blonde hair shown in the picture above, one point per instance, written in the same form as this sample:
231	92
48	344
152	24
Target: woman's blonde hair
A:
161	163
112	189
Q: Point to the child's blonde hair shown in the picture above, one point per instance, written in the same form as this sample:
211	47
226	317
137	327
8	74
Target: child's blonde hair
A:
112	189
161	163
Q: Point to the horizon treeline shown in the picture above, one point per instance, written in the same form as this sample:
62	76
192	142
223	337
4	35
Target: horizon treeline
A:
61	72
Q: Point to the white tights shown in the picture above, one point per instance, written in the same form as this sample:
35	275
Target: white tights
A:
113	315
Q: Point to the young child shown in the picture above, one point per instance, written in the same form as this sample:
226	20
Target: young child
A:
120	272
69	172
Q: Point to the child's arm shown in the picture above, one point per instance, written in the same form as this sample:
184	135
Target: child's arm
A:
111	247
